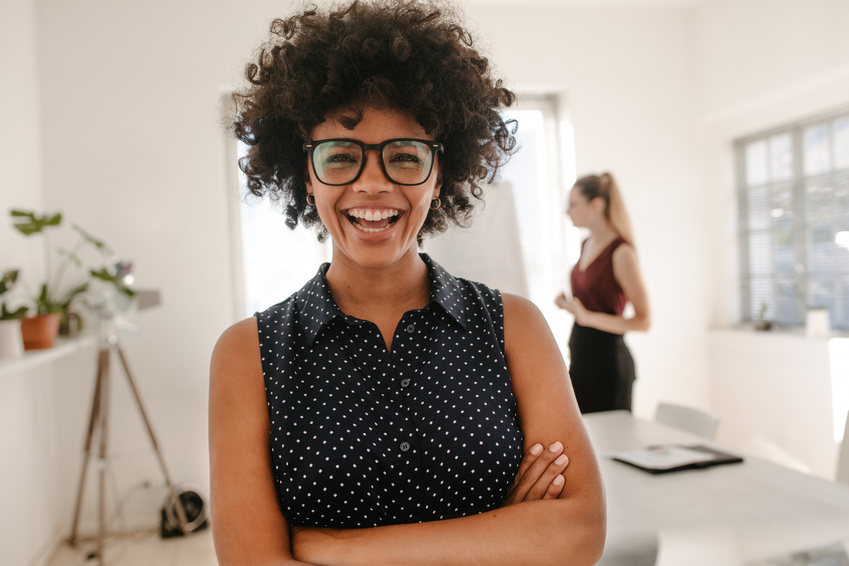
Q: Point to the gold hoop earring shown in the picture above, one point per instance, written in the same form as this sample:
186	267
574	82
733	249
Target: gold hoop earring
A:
311	200
435	204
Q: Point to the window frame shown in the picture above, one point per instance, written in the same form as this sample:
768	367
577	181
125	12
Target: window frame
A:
799	187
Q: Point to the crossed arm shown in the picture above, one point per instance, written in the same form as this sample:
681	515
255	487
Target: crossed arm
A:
554	512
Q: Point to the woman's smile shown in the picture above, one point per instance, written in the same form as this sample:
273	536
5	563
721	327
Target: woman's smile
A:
372	221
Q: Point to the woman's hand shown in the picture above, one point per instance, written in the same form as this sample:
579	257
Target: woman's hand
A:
574	306
561	300
540	475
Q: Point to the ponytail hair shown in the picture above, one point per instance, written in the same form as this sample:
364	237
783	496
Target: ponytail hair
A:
604	187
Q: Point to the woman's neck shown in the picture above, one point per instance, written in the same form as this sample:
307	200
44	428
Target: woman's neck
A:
603	232
373	292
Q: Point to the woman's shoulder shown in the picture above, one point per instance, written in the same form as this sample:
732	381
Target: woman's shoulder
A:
624	252
520	314
234	343
237	337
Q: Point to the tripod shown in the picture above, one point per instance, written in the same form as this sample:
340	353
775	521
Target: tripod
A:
99	425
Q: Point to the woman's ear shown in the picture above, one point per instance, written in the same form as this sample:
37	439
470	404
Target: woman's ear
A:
598	204
437	186
308	179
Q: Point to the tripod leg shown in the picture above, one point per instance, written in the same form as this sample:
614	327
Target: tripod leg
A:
92	423
178	505
104	422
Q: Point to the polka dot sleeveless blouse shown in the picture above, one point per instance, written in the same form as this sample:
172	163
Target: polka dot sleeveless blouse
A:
361	436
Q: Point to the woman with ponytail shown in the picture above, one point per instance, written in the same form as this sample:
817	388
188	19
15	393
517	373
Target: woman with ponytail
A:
606	277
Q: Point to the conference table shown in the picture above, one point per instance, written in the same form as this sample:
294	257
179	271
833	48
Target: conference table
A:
756	509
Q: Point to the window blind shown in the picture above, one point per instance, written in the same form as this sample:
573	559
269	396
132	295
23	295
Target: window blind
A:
793	220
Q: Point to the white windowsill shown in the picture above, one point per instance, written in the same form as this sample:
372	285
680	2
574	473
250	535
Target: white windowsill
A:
34	358
749	328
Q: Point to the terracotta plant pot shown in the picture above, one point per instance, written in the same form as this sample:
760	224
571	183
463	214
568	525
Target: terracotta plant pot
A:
40	331
11	343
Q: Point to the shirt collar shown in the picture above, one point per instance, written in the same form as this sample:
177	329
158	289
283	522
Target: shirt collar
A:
316	307
446	291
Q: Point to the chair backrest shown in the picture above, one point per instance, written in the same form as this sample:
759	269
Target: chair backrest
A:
692	420
843	456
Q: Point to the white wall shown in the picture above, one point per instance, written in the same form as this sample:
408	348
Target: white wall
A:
28	466
760	64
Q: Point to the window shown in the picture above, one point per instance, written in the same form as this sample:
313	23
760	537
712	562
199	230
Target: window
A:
793	197
277	261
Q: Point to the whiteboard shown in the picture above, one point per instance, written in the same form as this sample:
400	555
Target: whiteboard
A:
490	250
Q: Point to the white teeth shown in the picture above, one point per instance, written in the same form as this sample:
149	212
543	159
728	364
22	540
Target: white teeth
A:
371	230
371	215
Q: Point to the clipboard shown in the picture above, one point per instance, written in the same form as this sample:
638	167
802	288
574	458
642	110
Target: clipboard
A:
667	458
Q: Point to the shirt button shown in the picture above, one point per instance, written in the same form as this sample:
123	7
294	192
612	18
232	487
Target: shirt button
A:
405	382
411	328
405	446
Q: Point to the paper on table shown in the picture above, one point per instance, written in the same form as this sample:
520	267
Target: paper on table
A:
664	457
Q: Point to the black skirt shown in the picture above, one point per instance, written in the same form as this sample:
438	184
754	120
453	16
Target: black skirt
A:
602	370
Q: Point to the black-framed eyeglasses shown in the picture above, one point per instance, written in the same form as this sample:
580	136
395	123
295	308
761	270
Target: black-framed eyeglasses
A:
405	161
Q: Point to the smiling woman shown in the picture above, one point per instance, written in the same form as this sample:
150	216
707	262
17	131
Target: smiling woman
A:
377	208
387	405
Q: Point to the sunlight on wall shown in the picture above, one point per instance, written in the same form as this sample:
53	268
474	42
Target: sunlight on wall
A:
838	349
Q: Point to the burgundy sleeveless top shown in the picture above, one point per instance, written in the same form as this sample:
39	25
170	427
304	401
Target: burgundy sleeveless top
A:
596	286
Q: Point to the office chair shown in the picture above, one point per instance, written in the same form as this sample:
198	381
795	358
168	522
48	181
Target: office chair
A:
692	420
843	456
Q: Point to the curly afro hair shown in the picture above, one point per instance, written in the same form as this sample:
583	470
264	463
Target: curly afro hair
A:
407	55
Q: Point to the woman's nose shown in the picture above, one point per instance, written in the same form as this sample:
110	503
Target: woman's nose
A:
373	179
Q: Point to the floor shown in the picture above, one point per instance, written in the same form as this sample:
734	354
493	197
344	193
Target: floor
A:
145	548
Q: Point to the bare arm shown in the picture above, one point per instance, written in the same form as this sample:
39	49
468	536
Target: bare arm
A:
247	525
569	529
626	270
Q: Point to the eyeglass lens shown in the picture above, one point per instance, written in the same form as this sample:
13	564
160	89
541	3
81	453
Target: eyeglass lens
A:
406	162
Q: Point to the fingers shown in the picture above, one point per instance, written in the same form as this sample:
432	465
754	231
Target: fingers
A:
540	475
555	488
516	493
530	457
550	465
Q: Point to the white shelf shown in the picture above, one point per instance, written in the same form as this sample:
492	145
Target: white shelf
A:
34	358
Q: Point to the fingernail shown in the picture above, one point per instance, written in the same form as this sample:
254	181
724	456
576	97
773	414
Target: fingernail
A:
556	447
560	460
558	480
536	449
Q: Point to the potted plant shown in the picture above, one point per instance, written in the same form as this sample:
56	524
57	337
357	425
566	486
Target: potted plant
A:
762	323
54	303
11	341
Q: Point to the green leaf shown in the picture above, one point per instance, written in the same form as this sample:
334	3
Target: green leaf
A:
33	224
8	280
69	296
6	314
45	304
71	256
99	244
116	279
